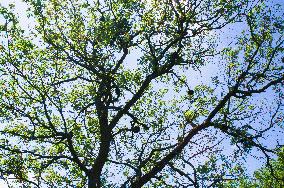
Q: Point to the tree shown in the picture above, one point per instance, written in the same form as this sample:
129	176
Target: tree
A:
93	90
268	176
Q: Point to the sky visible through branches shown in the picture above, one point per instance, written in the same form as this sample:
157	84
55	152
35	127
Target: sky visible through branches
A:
202	76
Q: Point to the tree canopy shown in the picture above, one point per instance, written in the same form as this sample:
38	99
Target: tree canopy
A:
112	93
265	177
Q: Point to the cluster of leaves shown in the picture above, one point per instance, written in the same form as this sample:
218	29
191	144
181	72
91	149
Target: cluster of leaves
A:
271	175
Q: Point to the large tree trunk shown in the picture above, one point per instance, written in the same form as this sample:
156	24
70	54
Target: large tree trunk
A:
94	177
92	181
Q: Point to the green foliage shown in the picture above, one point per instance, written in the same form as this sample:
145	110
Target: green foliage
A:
266	177
93	90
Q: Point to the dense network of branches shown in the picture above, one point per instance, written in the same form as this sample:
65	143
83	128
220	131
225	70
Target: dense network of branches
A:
110	93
